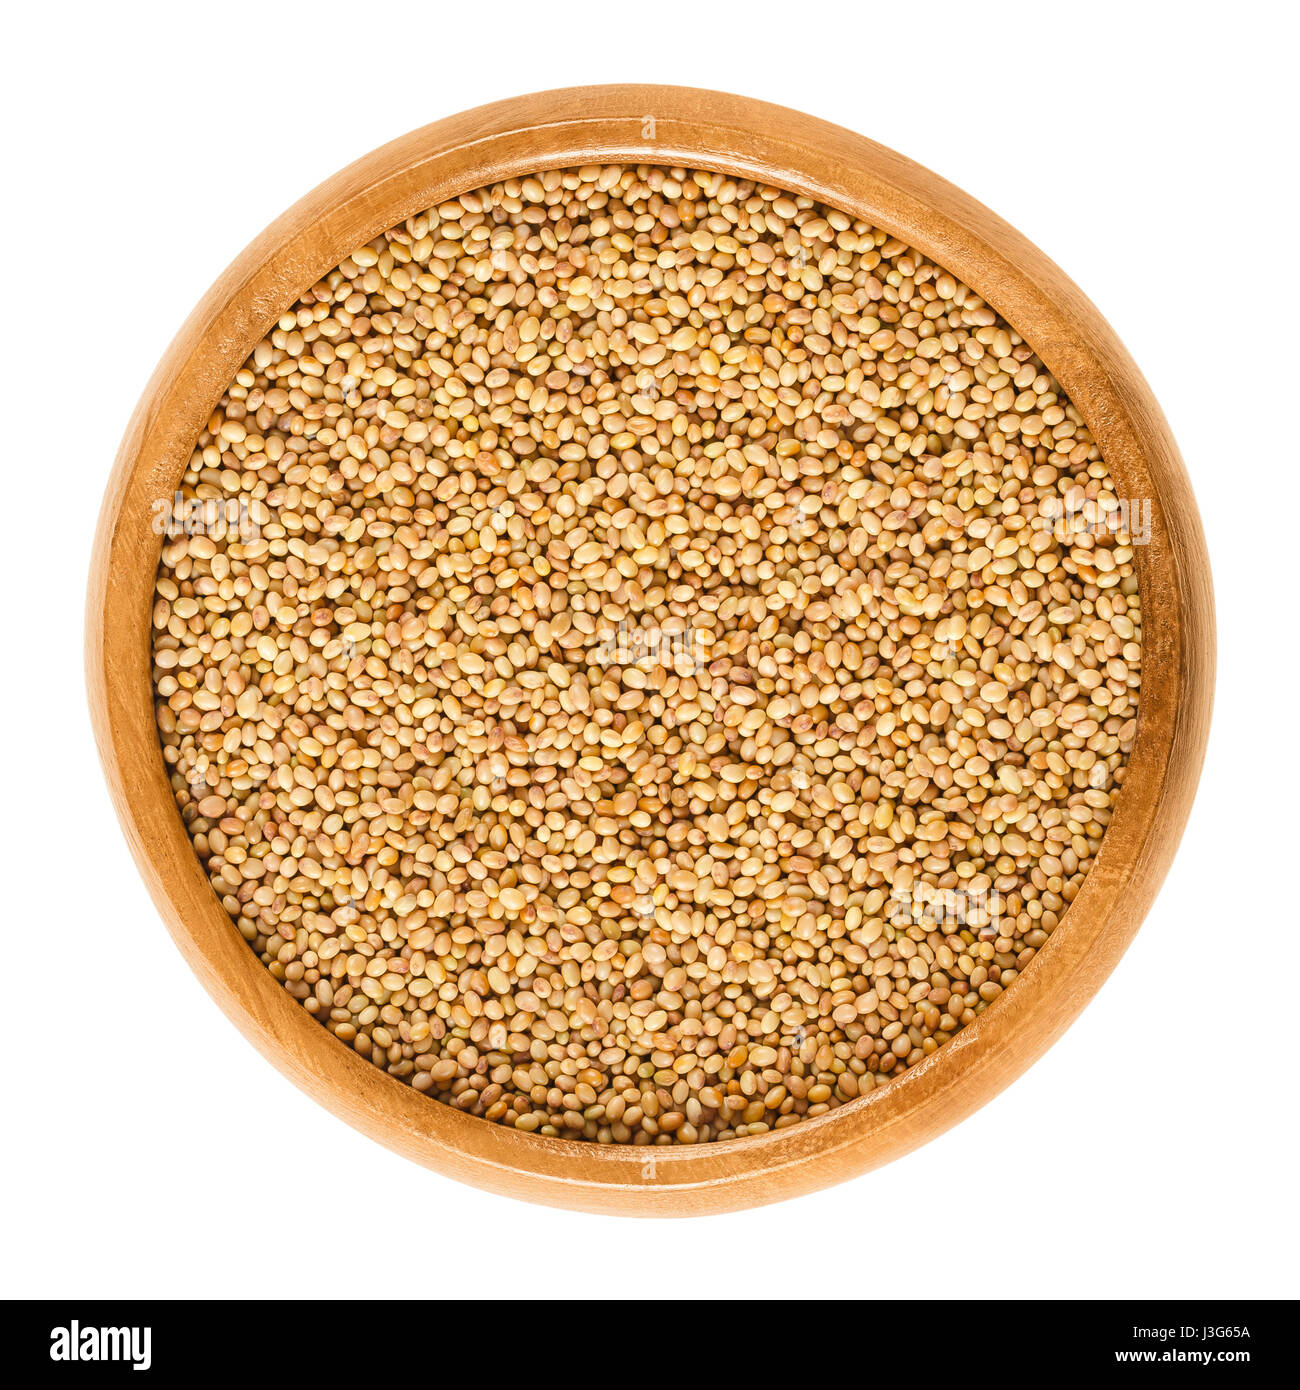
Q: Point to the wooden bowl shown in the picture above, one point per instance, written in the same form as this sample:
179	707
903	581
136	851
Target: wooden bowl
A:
666	126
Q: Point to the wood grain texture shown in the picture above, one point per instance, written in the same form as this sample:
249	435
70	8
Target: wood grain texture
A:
796	152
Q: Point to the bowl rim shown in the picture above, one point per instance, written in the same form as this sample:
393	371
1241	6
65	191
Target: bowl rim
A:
665	126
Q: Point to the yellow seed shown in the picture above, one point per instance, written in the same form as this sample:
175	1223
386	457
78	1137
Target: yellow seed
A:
682	669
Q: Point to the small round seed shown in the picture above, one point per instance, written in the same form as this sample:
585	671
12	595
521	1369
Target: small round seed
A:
659	666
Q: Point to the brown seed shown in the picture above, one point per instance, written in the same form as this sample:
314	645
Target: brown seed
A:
676	671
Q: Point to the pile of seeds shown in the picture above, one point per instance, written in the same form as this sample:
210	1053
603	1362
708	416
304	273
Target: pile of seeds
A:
659	659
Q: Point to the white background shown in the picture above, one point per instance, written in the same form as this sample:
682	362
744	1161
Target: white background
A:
148	1150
